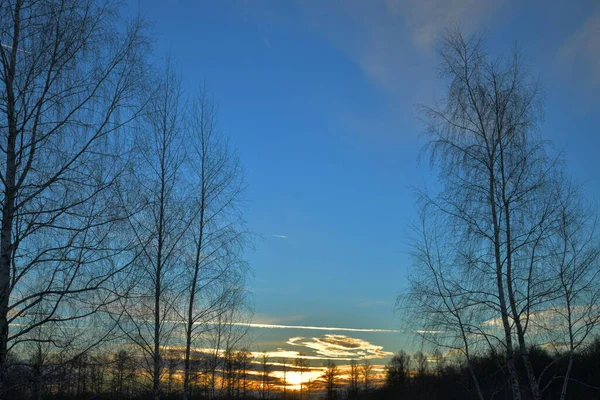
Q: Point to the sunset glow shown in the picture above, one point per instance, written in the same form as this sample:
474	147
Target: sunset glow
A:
294	378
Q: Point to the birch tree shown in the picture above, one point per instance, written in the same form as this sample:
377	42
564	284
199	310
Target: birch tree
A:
217	230
159	227
500	212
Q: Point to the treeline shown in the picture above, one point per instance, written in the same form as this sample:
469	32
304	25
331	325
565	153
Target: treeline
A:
433	377
240	374
123	375
121	210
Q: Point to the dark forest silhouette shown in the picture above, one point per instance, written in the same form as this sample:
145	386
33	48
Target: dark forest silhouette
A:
119	377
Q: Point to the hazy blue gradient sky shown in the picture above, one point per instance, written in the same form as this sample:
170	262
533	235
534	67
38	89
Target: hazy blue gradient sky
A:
319	98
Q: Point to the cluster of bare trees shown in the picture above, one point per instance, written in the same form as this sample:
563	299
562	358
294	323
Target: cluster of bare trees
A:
120	200
352	381
506	252
438	375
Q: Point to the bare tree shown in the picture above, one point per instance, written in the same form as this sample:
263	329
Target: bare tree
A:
217	231
331	377
123	372
228	331
265	384
398	371
443	295
576	311
486	249
228	381
367	374
421	366
354	386
302	364
284	365
243	359
159	227
70	76
171	361
440	362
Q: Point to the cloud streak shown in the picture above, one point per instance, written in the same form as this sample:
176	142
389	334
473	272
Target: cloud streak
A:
280	236
319	328
267	43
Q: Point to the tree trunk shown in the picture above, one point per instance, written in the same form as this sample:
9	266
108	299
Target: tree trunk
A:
190	316
510	359
563	392
6	245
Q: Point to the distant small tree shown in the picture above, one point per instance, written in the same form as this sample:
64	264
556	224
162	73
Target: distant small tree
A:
229	372
367	374
398	371
331	377
172	365
265	385
420	370
440	362
123	373
243	361
98	372
354	379
302	364
284	363
38	363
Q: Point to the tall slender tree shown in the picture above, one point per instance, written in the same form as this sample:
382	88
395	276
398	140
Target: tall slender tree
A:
159	227
217	230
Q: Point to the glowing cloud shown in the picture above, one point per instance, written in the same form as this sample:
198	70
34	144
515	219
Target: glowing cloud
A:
340	347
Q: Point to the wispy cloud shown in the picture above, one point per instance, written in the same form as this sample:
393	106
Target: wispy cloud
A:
425	19
581	50
280	236
386	38
267	43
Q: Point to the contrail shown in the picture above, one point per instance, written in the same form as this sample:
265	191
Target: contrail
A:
10	47
317	328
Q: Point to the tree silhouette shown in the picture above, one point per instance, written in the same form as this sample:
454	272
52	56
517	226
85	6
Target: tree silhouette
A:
488	242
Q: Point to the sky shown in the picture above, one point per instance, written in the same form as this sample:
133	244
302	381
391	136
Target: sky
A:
320	100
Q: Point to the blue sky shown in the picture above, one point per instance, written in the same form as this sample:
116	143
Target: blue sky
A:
319	98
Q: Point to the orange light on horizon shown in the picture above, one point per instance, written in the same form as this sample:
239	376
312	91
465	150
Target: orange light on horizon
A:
294	379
